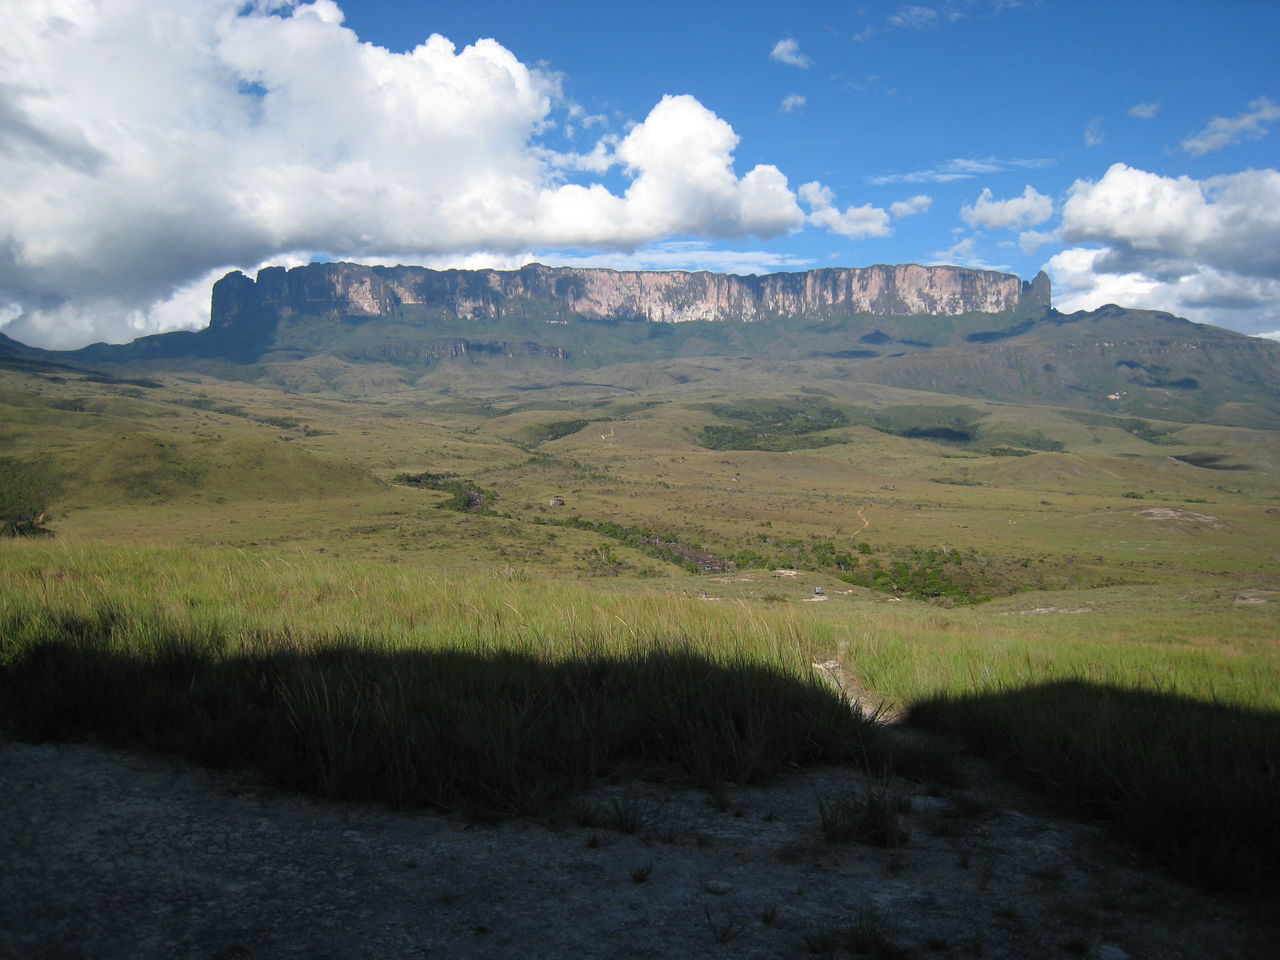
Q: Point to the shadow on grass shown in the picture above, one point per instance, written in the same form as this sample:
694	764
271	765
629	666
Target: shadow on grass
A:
1196	784
492	735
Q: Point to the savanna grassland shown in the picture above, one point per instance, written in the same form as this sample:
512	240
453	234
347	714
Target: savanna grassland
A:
483	592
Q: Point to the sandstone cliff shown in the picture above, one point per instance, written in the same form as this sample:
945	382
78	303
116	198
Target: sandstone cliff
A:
355	291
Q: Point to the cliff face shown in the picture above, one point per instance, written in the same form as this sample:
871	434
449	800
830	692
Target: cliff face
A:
353	290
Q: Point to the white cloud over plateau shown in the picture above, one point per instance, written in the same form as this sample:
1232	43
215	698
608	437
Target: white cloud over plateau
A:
1208	249
242	133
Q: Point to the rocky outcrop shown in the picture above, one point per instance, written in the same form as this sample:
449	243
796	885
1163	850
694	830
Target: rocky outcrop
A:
354	291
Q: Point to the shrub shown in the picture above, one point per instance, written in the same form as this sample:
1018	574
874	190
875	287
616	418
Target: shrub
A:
25	489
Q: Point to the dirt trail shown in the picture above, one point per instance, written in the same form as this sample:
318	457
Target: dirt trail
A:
863	517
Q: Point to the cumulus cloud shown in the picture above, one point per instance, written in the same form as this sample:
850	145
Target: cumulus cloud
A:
911	206
1093	135
1167	227
961	168
1144	111
787	51
1206	249
1025	211
793	101
1225	131
854	222
145	146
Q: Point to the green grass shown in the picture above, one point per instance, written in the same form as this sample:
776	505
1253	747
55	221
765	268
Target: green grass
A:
494	697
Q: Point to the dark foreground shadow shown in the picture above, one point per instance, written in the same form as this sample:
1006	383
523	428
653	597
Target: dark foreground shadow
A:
490	734
1196	784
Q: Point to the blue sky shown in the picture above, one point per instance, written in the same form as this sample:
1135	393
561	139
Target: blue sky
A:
1129	148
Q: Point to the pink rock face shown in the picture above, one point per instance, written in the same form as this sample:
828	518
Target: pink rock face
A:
658	296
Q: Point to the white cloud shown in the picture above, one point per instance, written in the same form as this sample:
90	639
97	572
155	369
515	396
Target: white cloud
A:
920	203
964	253
144	146
1225	131
1270	335
951	171
787	51
1093	135
1032	240
1082	281
1167	227
793	101
913	17
1025	211
854	222
1144	111
1205	249
681	255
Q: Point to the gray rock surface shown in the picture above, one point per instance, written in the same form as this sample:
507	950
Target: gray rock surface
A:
106	854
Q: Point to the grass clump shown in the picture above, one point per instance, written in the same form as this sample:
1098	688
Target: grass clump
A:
866	937
871	819
626	815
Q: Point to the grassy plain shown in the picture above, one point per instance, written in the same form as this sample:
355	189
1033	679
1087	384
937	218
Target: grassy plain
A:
1102	596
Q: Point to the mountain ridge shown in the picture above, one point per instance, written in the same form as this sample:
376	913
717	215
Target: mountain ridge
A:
594	293
352	328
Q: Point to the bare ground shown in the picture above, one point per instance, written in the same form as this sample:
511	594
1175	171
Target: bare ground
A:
108	854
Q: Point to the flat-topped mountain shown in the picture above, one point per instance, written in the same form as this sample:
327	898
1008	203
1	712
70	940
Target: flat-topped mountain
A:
668	296
358	329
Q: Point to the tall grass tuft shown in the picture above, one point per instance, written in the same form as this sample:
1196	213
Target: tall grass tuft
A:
871	819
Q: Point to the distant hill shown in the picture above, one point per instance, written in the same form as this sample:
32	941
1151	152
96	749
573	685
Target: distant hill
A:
1138	362
351	328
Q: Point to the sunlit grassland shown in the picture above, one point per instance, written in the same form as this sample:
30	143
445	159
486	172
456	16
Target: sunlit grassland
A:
244	591
297	599
1201	645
